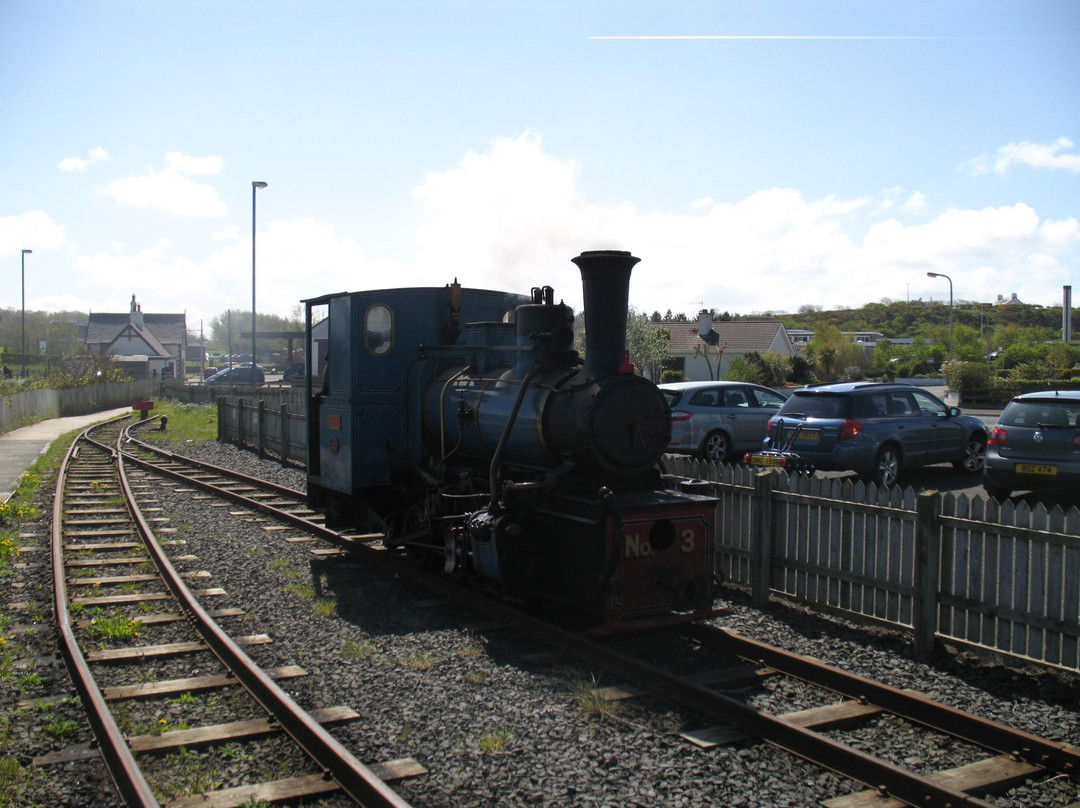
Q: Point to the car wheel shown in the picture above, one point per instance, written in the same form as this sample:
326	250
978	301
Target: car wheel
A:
997	492
886	470
716	447
974	455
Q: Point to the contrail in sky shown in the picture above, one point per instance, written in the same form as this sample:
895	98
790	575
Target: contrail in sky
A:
815	36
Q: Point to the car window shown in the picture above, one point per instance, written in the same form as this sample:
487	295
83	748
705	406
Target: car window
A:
872	406
901	403
672	396
927	404
735	397
706	398
1041	413
769	399
817	405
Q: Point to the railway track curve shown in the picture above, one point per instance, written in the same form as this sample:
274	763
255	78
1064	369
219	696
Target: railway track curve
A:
98	526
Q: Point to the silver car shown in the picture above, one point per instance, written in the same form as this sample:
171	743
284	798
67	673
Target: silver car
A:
719	421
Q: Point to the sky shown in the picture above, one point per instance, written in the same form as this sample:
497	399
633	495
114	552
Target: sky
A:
756	155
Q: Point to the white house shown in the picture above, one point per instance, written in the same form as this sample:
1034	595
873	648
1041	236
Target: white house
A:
160	338
706	349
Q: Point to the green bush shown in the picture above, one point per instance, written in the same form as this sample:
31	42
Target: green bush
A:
960	376
770	368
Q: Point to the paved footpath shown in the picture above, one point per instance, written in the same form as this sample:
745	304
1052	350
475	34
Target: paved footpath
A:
21	447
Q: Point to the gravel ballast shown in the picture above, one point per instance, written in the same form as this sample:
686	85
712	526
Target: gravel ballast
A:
494	730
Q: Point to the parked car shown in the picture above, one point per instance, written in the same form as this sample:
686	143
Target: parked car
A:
294	371
241	374
209	371
876	429
1035	445
719	421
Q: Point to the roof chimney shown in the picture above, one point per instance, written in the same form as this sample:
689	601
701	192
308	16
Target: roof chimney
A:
704	323
135	315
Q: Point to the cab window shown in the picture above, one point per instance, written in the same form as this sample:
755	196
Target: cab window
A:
378	329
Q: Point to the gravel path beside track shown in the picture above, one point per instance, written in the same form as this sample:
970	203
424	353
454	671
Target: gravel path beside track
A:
495	731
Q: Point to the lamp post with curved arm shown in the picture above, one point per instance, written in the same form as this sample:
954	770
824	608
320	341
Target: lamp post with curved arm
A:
255	186
946	277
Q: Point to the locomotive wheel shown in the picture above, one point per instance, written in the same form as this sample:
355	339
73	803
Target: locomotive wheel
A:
716	448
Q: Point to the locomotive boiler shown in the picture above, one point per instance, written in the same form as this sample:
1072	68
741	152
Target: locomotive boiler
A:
462	426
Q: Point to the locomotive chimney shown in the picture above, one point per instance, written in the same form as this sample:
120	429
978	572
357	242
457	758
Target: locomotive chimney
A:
605	279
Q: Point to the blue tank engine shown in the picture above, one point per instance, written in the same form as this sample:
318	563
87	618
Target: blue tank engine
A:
462	426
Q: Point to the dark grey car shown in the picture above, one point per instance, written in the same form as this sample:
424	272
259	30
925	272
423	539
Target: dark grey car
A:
241	374
1035	445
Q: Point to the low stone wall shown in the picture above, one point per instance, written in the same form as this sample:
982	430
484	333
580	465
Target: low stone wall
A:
20	408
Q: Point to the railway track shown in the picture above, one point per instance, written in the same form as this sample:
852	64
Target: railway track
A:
116	596
1010	755
1002	756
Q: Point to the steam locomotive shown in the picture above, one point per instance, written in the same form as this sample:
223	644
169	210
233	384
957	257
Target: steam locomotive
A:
462	425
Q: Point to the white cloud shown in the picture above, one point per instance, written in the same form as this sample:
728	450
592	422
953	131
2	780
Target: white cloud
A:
97	155
170	190
186	164
222	280
512	217
33	230
916	203
1035	155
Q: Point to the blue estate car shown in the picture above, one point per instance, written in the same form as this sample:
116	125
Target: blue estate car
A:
876	430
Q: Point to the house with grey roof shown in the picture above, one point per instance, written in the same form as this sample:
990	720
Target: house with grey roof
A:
149	345
705	350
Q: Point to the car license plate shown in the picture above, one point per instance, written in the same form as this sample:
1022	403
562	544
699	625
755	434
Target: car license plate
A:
809	435
1035	468
765	460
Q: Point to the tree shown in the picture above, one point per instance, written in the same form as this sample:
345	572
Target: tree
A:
827	345
646	344
770	368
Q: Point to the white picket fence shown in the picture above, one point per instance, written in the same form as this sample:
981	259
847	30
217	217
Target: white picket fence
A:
976	573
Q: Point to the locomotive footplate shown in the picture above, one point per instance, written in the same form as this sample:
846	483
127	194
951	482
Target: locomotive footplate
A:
623	557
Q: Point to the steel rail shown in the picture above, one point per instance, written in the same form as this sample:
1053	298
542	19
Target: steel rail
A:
282	490
1060	757
341	540
124	771
337	763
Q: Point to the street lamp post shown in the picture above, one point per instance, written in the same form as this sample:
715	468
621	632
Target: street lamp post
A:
946	277
255	186
23	273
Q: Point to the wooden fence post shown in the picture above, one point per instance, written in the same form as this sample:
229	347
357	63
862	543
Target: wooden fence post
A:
761	530
240	421
283	429
220	418
261	416
924	608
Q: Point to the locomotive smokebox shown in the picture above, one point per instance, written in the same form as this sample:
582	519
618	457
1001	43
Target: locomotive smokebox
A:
605	279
